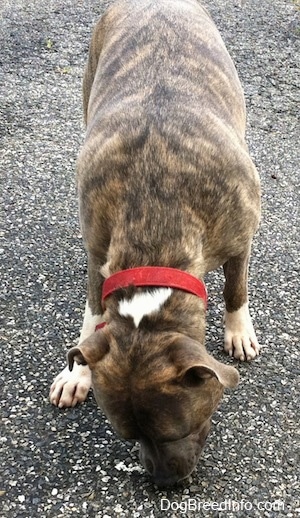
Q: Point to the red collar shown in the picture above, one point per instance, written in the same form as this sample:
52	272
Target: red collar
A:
155	276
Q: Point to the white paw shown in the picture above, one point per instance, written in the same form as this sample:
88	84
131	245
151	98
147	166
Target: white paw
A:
240	340
71	387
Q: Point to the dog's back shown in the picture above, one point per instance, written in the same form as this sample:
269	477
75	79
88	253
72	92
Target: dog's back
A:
165	151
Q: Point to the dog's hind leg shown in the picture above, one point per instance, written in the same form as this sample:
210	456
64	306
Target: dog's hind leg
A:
240	339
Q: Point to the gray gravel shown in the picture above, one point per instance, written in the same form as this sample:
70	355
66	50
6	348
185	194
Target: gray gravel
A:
70	463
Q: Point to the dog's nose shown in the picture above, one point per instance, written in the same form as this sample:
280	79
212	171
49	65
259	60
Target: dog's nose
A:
164	466
165	479
162	475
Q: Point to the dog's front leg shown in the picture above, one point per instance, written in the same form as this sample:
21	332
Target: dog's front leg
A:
71	387
240	339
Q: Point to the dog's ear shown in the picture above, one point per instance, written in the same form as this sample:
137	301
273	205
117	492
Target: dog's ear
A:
228	376
90	351
194	364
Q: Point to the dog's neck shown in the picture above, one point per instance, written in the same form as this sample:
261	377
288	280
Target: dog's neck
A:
156	299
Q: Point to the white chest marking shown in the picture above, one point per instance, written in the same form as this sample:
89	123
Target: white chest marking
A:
144	304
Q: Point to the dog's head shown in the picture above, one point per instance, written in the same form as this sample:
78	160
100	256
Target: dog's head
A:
159	389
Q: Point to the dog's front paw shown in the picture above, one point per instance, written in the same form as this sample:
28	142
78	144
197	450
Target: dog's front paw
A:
71	387
240	340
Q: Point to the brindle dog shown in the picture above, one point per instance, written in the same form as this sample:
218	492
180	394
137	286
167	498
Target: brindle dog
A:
164	179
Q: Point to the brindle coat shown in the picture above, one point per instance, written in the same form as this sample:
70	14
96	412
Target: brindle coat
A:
164	179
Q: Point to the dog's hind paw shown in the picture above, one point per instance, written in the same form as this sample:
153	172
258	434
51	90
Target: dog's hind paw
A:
240	340
71	387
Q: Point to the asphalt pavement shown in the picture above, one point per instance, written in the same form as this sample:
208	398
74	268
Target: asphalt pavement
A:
68	463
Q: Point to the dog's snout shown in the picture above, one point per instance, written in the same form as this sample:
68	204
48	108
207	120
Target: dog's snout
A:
170	463
165	480
163	474
168	478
